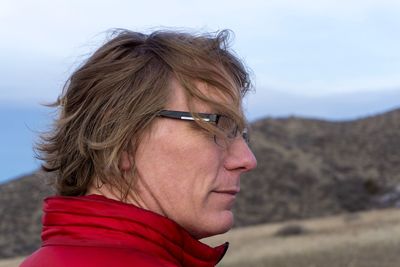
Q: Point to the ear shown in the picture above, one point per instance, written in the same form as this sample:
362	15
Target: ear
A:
126	161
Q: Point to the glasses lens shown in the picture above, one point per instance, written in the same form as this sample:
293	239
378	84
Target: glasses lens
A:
228	126
245	135
231	129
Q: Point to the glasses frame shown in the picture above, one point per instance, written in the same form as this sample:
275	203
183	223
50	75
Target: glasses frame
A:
206	117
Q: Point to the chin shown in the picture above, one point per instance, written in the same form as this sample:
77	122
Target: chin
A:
217	225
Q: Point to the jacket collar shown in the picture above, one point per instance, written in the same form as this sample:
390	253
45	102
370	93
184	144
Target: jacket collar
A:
95	220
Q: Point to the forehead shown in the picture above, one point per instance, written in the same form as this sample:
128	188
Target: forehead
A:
180	98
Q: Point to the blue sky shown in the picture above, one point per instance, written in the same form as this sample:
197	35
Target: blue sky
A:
301	48
330	59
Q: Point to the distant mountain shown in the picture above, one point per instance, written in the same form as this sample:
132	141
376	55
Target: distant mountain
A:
20	213
306	168
309	168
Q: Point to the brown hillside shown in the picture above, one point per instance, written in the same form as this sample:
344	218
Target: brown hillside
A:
309	168
20	213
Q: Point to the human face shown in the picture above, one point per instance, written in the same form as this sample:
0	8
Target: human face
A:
185	176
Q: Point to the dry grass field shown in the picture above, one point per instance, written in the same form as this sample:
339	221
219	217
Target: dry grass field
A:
11	262
369	239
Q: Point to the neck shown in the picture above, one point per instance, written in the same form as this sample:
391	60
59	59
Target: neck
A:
111	193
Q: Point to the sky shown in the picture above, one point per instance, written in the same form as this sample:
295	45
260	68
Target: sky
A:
302	49
327	59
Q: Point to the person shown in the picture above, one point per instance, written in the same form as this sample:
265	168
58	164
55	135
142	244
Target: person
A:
148	150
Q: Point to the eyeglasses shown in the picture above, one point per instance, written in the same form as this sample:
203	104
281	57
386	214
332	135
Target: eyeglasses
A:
224	123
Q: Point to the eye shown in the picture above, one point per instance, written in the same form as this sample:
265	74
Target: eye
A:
228	126
245	135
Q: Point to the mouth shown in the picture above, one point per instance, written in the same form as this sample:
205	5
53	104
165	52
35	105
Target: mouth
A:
232	192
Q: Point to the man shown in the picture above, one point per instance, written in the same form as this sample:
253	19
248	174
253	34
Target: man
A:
148	151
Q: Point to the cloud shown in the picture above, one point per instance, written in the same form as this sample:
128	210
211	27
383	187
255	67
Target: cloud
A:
304	46
336	106
320	87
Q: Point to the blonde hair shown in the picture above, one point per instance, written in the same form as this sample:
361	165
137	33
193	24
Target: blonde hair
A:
112	98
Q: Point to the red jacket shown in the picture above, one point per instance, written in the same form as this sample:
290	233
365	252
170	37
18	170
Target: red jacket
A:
96	231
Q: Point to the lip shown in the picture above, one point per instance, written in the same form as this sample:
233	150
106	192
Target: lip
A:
233	192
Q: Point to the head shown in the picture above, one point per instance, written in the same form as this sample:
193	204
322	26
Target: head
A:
112	136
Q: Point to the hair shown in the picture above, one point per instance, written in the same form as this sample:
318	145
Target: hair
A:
112	98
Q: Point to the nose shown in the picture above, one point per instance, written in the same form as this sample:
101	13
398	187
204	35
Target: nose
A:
240	157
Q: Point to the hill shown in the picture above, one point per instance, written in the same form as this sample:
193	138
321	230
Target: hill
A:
312	168
20	213
306	168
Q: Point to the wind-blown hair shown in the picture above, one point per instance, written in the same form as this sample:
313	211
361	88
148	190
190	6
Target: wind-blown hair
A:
112	98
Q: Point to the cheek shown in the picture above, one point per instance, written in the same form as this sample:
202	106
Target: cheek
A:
181	174
168	153
179	170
